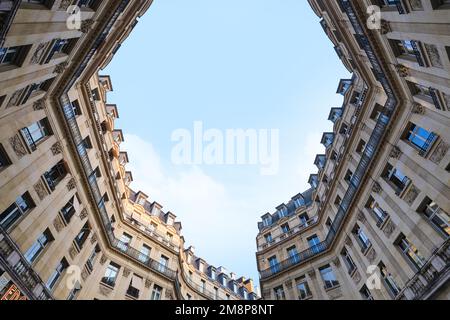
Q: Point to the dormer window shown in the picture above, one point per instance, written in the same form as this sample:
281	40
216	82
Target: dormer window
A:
335	114
344	86
141	201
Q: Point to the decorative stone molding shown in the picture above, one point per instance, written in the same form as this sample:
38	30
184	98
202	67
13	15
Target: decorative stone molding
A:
418	109
126	272
65	4
40	190
18	146
93	238
168	295
311	273
440	152
83	214
389	228
336	262
86	25
376	187
288	284
103	259
433	54
385	27
57	223
39	105
148	283
73	252
348	241
371	255
104	290
402	70
356	277
71	184
361	217
411	195
335	293
416	5
38	53
56	148
395	152
61	67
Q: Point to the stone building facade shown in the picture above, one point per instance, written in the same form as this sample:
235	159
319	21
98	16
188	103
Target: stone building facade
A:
70	226
375	223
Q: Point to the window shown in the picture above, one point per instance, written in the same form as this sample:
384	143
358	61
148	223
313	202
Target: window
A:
135	286
365	293
313	243
156	293
144	255
348	176
56	275
376	112
410	252
388	281
9	55
362	238
303	288
396	179
304	219
439	218
111	274
379	214
36	132
124	241
328	277
69	209
216	293
37	247
76	108
279	293
268	237
329	223
266	221
350	264
74	293
82	236
285	228
293	254
273	263
19	208
4	159
419	138
91	260
338	200
361	147
163	263
55	175
203	286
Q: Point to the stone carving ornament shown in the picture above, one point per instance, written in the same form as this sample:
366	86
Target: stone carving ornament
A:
148	283
83	214
58	224
18	146
433	54
73	252
411	195
418	109
395	152
40	190
389	228
56	148
86	25
385	27
38	53
416	5
402	70
39	105
93	238
126	272
440	152
61	67
65	4
71	184
371	255
376	187
357	276
104	290
103	259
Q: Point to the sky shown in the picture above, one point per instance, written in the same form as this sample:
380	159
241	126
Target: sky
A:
253	64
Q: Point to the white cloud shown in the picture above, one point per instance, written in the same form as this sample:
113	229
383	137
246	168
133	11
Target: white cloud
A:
213	222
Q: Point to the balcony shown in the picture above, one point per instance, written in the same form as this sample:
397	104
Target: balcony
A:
435	272
293	231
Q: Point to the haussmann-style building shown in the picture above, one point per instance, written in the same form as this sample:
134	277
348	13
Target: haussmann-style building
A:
70	226
375	223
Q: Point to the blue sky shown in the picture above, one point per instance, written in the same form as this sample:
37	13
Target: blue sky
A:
253	64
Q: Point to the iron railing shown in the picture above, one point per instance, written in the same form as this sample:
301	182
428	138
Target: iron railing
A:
366	158
29	139
21	272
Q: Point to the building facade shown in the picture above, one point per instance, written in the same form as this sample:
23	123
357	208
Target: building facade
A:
70	226
375	223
